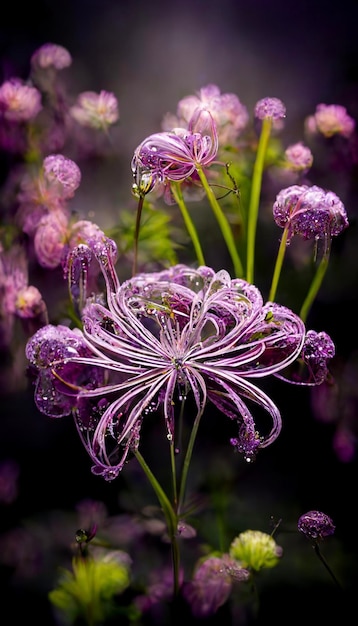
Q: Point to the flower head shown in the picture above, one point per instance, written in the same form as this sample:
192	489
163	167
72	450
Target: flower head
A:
329	120
310	212
174	156
163	337
19	102
298	157
212	584
255	550
63	172
316	525
270	108
96	110
229	114
51	55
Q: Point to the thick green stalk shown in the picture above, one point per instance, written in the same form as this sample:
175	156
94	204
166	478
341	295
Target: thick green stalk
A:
178	196
314	288
255	196
278	266
223	223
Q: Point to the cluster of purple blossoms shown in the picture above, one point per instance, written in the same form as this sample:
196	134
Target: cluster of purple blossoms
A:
163	337
330	120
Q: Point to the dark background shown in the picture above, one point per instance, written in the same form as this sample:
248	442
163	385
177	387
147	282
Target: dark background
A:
150	55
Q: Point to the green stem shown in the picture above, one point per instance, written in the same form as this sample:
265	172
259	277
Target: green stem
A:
178	196
255	196
314	288
223	223
136	233
170	517
187	459
278	265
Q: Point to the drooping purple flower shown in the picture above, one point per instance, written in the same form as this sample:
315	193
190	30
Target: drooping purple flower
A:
175	155
316	525
167	336
19	102
310	212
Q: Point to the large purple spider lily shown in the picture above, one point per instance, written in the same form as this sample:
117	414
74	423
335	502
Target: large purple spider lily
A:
175	155
162	338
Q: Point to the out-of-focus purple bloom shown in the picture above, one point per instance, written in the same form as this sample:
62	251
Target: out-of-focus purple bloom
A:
212	584
329	120
9	474
96	110
158	591
29	302
64	172
310	212
298	157
19	102
316	525
166	336
50	238
229	114
51	55
175	155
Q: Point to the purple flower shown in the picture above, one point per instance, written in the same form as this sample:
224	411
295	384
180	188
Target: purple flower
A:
270	108
63	172
51	55
311	366
229	114
96	110
310	212
212	584
19	102
174	156
298	157
329	120
165	337
316	525
50	238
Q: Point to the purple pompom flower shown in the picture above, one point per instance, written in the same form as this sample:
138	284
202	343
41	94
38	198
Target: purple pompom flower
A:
64	172
316	525
166	336
310	212
329	120
270	108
